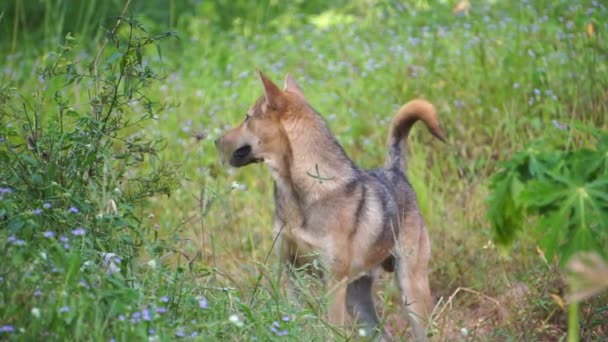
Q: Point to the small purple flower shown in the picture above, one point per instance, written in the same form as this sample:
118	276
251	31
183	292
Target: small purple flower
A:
48	234
180	332
275	329
151	331
47	205
83	284
161	310
13	240
64	239
146	316
559	125
1	139
5	190
66	246
194	334
164	299
286	318
136	317
121	318
203	303
37	211
7	328
73	210
64	309
78	232
37	293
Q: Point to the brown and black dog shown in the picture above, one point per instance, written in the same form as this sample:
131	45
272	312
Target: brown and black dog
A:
354	221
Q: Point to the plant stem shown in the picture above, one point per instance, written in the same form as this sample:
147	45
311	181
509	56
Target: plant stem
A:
573	322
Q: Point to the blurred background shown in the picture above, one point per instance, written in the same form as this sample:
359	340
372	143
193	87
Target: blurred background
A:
109	109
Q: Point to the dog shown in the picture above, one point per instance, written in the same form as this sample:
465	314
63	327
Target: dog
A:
355	221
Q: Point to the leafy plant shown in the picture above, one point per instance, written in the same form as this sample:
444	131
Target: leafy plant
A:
75	170
566	190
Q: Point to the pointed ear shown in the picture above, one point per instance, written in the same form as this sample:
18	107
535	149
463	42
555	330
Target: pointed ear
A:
292	86
274	95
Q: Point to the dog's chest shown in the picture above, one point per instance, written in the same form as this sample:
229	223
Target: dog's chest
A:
290	222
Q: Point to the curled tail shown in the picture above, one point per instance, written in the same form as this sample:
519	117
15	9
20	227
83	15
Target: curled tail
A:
403	121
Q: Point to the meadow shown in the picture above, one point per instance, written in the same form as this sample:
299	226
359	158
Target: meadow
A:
118	221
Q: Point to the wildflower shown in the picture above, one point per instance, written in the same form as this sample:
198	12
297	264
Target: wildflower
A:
48	234
515	85
234	319
362	332
73	210
458	104
559	125
161	310
121	318
275	329
64	309
165	299
194	334
203	303
13	240
464	332
151	331
36	312
5	190
145	314
47	205
37	211
286	318
64	239
37	293
78	232
136	317
179	332
7	328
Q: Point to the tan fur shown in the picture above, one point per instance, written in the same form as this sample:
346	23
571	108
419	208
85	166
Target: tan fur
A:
355	221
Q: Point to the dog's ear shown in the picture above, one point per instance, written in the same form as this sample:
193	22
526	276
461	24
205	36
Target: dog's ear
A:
272	93
292	86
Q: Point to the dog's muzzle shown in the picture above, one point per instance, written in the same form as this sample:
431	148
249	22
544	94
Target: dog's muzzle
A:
237	156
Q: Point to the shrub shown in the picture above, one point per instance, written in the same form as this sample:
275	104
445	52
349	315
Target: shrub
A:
75	171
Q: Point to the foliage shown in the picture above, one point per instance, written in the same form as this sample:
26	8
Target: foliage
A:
565	187
72	180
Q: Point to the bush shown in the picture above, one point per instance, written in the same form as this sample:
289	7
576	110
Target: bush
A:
75	170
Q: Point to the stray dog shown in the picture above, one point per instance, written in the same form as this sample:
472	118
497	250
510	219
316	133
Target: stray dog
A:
355	221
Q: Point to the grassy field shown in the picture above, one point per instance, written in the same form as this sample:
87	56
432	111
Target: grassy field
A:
501	74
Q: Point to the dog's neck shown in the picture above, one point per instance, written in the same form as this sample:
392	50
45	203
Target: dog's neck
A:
312	170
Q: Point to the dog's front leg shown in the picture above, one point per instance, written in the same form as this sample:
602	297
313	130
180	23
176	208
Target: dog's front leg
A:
337	303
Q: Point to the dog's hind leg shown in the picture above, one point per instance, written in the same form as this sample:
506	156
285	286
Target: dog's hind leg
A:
411	272
360	304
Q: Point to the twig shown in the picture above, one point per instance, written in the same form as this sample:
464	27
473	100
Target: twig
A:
103	47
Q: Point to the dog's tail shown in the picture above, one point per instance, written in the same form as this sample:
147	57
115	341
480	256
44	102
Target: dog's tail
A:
403	121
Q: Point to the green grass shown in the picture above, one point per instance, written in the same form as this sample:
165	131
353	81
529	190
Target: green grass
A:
500	77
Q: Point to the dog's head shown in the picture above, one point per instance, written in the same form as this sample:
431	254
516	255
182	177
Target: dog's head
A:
262	135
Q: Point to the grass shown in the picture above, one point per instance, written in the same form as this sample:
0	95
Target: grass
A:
500	75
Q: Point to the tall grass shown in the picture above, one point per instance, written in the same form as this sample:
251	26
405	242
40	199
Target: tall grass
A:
501	75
